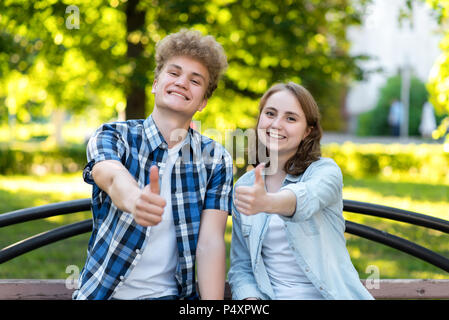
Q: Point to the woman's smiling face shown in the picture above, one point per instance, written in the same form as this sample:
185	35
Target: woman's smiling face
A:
282	124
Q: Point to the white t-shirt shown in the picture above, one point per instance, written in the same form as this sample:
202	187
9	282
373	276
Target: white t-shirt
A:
287	279
154	274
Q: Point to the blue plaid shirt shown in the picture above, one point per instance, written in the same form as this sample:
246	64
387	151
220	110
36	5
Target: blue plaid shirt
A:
202	178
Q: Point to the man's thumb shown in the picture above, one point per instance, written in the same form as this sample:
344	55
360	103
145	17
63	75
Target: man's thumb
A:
154	180
258	174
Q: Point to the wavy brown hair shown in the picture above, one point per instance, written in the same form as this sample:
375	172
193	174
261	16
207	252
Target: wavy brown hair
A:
309	150
189	42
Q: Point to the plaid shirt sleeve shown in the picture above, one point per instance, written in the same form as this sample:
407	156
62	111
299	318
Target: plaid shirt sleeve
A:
219	190
106	144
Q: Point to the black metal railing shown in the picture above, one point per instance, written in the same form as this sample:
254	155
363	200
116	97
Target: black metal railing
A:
360	230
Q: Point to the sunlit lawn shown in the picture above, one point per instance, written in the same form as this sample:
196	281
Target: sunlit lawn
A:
421	198
18	192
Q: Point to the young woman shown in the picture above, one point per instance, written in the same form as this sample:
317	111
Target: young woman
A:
288	228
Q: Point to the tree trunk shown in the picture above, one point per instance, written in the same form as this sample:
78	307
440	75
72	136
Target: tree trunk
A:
136	96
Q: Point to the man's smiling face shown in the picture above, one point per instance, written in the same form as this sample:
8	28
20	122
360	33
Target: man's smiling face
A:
181	86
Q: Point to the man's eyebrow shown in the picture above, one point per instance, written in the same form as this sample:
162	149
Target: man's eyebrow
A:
173	65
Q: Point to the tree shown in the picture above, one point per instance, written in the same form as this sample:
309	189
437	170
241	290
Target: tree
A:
438	85
107	62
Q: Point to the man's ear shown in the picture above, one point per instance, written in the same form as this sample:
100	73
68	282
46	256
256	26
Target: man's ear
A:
153	87
202	105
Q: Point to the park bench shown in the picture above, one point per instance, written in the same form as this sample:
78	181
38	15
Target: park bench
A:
56	289
30	289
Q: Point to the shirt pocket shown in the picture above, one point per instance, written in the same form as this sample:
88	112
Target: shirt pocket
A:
246	230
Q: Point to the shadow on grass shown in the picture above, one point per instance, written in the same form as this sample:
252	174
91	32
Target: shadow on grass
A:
415	191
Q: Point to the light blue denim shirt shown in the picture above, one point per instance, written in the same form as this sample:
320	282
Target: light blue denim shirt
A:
315	233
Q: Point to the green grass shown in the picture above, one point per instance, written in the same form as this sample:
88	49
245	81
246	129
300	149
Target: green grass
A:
51	261
17	192
422	198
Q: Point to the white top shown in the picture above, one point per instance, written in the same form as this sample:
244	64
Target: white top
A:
287	279
428	122
154	274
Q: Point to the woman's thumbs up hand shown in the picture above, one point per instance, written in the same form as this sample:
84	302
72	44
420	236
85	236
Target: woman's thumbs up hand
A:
251	200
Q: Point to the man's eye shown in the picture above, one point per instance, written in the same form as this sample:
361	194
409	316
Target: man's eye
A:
269	113
195	82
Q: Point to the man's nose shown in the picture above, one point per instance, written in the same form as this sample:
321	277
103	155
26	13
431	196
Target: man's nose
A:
181	81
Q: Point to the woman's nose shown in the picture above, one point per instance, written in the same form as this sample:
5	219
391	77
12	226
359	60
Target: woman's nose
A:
276	123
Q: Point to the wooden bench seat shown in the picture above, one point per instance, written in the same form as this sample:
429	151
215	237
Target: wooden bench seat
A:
30	289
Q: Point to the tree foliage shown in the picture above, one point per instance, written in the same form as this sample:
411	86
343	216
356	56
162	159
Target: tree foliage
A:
107	63
438	84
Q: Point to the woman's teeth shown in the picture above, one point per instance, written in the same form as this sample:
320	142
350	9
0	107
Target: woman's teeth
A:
275	135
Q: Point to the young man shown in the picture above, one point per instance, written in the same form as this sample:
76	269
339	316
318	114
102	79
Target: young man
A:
154	181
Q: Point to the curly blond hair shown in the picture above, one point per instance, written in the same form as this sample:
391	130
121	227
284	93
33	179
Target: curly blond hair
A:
193	44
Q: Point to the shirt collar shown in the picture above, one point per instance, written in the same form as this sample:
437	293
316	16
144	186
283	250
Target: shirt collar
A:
293	178
156	139
289	177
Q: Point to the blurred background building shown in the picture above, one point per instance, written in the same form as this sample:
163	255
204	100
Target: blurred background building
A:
391	43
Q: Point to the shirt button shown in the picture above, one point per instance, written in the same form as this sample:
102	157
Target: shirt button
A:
137	251
164	145
122	277
307	269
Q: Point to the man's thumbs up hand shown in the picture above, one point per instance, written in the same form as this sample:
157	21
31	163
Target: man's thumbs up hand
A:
154	180
251	200
149	206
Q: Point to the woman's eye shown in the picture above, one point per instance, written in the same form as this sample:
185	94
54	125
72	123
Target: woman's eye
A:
291	119
195	82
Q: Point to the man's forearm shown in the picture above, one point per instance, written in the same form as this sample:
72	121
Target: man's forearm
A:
211	263
117	182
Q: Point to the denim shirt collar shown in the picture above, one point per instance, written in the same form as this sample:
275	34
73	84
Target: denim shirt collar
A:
292	179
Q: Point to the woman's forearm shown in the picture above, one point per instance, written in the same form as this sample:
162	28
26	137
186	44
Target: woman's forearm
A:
282	202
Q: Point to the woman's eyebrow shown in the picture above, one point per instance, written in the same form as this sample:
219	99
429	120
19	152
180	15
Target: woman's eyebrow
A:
292	113
287	113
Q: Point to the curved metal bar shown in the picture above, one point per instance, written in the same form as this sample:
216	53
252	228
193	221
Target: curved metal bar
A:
45	238
68	207
396	214
398	243
351	227
45	211
74	229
